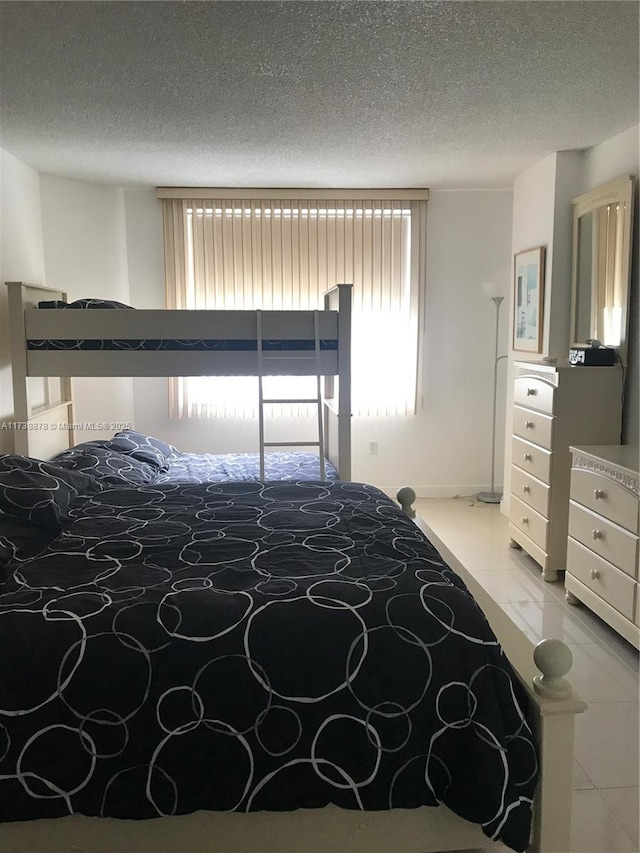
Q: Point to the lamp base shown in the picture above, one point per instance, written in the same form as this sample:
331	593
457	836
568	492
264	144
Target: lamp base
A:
490	497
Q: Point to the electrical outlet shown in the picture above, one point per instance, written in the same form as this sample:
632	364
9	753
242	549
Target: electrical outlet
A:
373	448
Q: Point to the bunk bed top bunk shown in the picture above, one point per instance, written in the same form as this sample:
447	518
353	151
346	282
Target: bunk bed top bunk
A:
56	341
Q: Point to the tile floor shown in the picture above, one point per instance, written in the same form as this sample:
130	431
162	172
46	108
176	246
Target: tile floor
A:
605	670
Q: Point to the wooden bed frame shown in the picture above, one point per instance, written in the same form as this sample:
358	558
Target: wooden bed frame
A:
33	435
551	709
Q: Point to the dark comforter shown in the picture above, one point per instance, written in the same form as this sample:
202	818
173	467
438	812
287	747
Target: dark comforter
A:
253	646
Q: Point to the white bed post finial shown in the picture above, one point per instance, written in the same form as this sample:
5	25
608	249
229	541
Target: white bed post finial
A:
405	497
554	660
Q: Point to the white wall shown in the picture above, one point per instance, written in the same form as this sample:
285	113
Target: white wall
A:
533	215
85	254
145	254
21	259
568	185
611	159
542	216
468	260
533	225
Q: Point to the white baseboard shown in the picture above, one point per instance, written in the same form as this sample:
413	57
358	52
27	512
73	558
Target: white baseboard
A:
441	491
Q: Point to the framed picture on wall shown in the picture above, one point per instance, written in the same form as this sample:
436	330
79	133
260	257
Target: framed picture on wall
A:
528	300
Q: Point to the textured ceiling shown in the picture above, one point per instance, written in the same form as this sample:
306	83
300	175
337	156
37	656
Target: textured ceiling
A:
353	94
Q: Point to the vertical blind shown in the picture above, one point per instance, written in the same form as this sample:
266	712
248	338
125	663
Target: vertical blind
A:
277	253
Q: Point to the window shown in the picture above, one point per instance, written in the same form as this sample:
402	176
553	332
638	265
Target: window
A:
284	253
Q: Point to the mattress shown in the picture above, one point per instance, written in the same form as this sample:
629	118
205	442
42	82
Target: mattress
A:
223	467
174	345
166	344
251	646
135	458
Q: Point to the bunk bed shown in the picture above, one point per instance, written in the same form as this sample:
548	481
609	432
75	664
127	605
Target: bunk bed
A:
53	342
335	621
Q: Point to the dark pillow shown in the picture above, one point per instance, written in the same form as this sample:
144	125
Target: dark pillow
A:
41	491
80	448
107	465
84	303
21	539
146	448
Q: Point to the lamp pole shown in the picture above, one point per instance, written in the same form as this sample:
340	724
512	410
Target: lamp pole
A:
494	497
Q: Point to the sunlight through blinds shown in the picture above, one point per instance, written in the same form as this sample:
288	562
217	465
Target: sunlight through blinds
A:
284	254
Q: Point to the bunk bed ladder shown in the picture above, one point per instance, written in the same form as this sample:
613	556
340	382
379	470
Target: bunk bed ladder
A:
317	400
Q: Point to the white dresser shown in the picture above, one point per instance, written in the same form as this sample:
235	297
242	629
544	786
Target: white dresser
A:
602	555
555	406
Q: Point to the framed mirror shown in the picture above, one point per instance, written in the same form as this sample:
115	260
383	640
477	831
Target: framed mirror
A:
602	229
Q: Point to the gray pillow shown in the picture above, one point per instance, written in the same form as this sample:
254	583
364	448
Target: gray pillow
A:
107	465
40	491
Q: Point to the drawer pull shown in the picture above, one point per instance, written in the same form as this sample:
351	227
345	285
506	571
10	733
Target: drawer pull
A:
594	574
527	457
525	520
597	534
526	489
528	424
531	392
599	493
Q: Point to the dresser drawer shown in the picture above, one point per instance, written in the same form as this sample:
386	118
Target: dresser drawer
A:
612	585
533	426
606	497
531	458
611	542
534	394
533	492
530	522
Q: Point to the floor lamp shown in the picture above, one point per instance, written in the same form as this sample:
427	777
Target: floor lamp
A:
494	497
